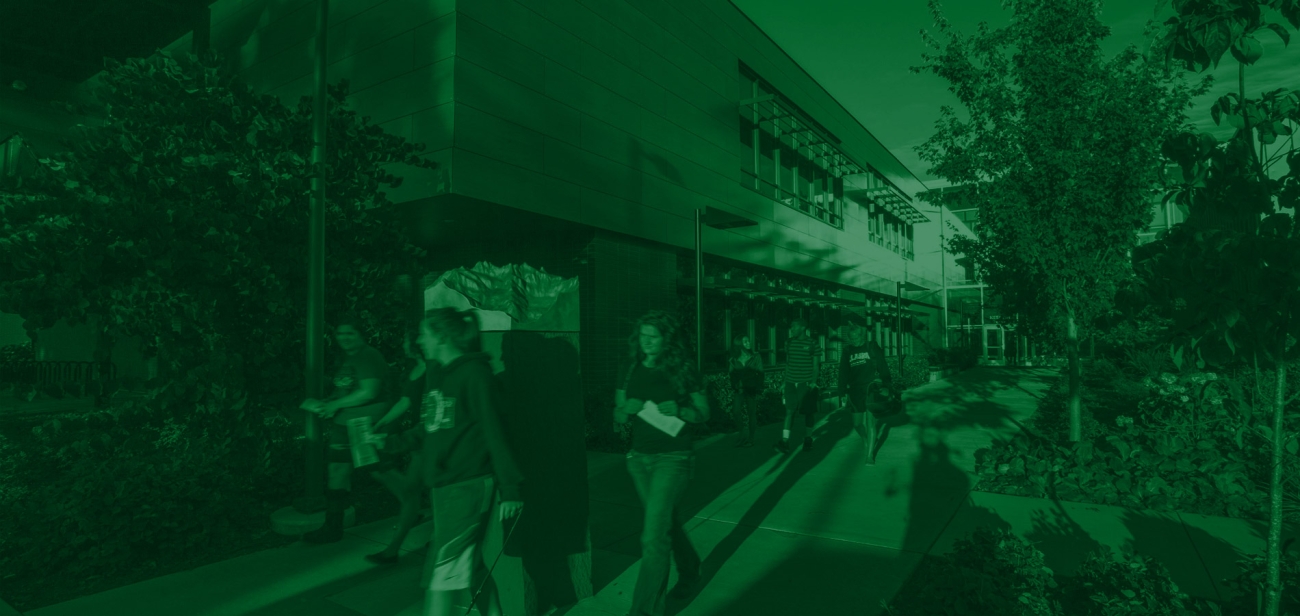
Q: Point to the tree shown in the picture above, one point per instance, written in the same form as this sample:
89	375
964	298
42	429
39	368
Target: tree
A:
1060	152
183	220
1230	276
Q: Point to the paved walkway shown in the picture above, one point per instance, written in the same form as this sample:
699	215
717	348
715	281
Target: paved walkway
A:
778	534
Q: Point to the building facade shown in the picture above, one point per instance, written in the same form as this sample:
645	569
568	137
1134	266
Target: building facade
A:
582	136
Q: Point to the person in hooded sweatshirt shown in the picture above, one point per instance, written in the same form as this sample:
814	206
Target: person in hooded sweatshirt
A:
865	382
466	460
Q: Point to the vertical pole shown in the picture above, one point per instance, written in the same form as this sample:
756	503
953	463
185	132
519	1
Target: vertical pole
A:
898	324
316	272
699	289
943	274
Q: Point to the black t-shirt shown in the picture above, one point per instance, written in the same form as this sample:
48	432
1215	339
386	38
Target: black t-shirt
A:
860	366
654	385
366	363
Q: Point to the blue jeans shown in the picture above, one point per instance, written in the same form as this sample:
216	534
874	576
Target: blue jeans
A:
660	480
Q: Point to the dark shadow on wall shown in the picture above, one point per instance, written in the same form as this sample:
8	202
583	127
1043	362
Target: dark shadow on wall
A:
542	409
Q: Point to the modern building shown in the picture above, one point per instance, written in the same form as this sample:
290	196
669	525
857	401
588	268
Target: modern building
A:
584	136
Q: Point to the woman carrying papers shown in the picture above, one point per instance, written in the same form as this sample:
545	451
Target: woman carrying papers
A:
662	390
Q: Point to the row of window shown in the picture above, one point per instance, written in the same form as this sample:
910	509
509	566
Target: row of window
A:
780	165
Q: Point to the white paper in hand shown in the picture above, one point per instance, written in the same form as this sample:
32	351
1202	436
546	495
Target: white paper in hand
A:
669	425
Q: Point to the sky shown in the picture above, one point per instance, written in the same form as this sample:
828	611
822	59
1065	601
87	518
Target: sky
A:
860	52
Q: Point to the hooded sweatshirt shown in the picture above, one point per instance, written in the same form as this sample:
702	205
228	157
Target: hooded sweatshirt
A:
860	365
460	433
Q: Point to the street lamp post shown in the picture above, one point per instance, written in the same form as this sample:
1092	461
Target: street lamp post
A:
314	498
898	333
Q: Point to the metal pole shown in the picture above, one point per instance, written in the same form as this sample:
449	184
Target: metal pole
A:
898	325
943	275
699	289
315	479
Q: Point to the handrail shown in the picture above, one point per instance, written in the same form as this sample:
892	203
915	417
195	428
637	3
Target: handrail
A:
47	372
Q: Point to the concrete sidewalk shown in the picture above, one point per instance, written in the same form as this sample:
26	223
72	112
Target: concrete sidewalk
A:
779	534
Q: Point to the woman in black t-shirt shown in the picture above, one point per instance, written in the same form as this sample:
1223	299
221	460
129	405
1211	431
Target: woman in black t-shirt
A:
361	385
661	379
406	486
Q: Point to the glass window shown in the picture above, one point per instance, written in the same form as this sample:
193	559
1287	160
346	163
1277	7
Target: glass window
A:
789	168
767	158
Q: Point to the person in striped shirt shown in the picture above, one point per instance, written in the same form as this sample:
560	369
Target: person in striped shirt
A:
802	365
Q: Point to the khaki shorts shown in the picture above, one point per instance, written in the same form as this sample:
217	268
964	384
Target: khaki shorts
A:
461	514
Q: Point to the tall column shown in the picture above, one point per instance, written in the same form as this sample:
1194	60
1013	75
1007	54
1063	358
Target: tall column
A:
314	499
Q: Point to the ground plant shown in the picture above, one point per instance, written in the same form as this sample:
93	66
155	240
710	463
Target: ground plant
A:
997	572
1186	445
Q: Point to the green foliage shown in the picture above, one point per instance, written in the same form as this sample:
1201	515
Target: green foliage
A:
988	572
1245	590
95	496
182	220
1186	444
1134	584
1059	153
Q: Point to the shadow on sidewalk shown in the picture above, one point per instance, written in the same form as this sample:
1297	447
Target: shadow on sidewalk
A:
793	467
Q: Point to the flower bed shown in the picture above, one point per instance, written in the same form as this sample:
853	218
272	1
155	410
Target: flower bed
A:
996	572
91	502
1185	443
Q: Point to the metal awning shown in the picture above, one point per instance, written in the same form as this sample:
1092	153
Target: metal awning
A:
720	219
893	202
818	146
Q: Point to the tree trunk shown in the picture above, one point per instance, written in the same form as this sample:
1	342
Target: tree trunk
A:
1076	380
1273	585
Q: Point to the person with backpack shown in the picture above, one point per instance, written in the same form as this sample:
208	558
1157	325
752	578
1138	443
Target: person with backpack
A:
802	365
361	385
865	385
661	379
746	369
466	461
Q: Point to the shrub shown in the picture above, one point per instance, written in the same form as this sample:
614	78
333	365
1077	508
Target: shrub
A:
988	572
95	496
1245	590
1184	452
1134	584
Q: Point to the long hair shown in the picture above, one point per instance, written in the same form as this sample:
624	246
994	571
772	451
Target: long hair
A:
458	327
676	357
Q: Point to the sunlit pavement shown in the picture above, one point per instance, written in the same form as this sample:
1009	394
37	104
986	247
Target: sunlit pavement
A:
814	532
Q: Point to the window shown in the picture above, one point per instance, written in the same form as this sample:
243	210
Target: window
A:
789	163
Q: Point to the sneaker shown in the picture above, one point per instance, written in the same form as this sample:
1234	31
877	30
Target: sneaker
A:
782	446
807	443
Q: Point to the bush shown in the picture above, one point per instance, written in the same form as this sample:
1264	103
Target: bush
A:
1188	449
1134	584
95	496
1246	589
997	572
988	572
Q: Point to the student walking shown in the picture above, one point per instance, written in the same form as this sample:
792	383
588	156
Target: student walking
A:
406	486
746	368
865	383
361	384
802	365
465	459
661	379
